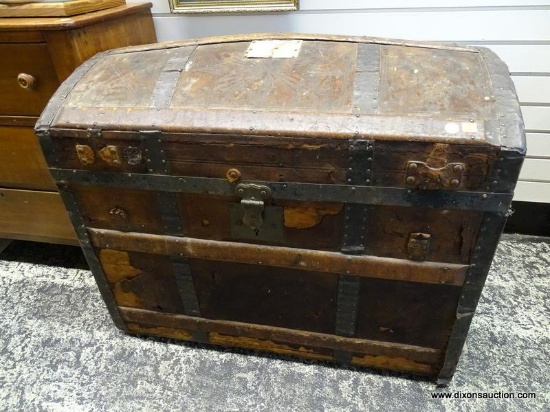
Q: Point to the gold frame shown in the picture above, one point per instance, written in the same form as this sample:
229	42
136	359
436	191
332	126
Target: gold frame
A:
231	6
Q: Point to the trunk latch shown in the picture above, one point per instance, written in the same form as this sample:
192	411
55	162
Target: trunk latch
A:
253	196
417	246
252	219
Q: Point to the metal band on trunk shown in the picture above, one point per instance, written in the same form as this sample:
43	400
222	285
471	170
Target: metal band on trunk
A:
168	79
91	257
367	79
312	192
480	262
360	164
187	292
157	163
361	153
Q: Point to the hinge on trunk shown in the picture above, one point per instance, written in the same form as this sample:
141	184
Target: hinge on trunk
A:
93	133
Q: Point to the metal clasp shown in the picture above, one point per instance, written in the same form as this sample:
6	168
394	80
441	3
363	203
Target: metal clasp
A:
85	154
110	155
253	196
418	245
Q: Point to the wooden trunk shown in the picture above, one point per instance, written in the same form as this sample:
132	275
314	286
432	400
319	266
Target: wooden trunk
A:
333	198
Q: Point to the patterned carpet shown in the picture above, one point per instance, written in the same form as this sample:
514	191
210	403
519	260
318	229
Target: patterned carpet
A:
60	352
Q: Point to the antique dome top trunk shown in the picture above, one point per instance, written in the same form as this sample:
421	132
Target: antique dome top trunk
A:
334	198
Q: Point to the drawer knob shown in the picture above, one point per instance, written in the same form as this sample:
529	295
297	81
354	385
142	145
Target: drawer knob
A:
26	81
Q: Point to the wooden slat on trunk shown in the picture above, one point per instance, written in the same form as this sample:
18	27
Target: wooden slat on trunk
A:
414	358
304	259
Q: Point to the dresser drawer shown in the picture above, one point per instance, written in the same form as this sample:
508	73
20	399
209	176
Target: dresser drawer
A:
22	163
27	78
34	215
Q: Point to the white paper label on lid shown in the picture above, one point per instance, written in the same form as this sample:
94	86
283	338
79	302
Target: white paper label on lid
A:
452	128
273	49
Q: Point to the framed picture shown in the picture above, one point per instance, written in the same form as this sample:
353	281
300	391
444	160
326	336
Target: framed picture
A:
231	6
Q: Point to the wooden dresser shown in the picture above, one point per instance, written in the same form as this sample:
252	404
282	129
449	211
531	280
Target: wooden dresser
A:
36	55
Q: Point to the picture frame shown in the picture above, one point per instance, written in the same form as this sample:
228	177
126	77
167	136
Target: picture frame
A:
231	6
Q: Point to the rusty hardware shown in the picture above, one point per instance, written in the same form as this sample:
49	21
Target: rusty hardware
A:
85	154
133	155
26	81
93	133
420	175
418	245
253	196
118	214
252	219
233	175
110	155
119	219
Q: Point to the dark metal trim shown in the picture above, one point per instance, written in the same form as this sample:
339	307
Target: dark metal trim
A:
57	100
368	57
480	262
346	307
186	286
155	158
91	257
188	294
42	126
360	172
157	163
168	79
360	162
354	229
48	146
508	129
510	126
169	213
93	133
394	196
367	79
505	170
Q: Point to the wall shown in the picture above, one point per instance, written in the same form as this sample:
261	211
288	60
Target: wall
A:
518	30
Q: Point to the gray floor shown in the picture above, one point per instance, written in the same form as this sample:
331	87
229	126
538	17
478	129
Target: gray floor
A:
60	352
